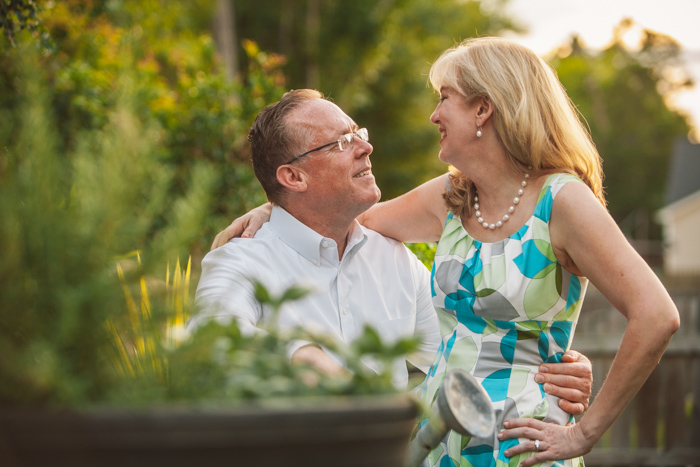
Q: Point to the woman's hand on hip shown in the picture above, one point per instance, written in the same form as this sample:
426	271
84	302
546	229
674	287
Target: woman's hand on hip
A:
548	440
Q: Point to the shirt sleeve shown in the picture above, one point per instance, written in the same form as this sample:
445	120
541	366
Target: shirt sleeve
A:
295	345
427	327
225	292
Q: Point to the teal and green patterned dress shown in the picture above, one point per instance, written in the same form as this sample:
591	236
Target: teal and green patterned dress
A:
504	308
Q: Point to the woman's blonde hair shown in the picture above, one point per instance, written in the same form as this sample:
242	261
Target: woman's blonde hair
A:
533	116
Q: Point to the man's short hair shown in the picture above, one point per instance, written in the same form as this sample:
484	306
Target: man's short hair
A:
273	140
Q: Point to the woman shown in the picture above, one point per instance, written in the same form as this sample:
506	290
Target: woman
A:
519	238
522	228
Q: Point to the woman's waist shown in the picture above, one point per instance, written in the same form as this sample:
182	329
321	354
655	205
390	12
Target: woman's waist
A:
525	365
502	349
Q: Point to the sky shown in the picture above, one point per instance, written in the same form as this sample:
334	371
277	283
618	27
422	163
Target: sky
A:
551	23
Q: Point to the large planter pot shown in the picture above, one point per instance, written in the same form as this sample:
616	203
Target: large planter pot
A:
365	431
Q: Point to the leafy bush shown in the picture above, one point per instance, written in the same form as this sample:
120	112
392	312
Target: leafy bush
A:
84	317
199	118
121	153
160	361
66	218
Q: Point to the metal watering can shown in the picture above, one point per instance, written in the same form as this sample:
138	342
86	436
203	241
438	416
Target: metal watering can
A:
462	405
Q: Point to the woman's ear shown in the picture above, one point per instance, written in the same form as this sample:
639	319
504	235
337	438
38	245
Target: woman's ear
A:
292	178
484	110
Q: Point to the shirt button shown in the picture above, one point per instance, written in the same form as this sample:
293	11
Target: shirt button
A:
345	311
315	261
324	243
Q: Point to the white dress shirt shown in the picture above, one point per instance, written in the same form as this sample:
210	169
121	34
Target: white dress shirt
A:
378	282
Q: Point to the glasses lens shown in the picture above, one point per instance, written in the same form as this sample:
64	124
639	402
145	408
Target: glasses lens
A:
345	141
362	133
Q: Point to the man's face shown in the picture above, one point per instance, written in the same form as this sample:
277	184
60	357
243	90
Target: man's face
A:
340	181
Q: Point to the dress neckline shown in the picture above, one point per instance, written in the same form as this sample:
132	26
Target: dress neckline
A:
518	233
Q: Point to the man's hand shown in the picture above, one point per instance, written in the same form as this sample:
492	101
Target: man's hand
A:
571	380
316	357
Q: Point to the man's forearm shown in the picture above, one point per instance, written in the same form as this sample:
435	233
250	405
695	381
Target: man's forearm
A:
571	380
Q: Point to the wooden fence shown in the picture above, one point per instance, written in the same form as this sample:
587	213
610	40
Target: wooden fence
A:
661	426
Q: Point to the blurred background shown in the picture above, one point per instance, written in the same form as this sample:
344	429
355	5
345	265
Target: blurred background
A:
201	69
123	130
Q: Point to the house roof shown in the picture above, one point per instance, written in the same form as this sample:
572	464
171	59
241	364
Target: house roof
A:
684	173
687	206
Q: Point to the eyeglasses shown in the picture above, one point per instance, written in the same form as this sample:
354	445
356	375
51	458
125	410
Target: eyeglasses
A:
343	143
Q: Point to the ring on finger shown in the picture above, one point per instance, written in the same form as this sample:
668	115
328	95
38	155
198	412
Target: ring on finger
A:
537	444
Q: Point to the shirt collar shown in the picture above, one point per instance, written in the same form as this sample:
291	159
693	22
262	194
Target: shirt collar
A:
306	241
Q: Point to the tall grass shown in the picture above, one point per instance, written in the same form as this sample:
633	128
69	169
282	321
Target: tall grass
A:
138	347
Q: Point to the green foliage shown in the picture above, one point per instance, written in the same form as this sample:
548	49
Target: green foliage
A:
19	15
137	341
200	119
66	220
425	252
372	59
291	294
82	319
217	363
620	93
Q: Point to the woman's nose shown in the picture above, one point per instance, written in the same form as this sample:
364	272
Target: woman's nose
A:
435	116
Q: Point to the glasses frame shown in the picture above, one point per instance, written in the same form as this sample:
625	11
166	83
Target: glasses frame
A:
348	137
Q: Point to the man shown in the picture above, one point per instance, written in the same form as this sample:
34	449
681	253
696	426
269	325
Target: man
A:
313	163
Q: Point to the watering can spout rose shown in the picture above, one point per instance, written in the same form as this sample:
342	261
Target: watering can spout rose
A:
462	405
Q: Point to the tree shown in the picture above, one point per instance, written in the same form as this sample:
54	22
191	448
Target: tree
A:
621	92
179	85
372	59
19	15
225	35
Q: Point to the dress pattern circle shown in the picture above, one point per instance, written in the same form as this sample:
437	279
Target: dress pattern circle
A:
504	308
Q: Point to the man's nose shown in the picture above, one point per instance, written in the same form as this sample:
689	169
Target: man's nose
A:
366	148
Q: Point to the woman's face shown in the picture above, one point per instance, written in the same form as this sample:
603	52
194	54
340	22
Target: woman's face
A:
456	121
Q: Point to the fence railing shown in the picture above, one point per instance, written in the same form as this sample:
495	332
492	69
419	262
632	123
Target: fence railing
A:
661	426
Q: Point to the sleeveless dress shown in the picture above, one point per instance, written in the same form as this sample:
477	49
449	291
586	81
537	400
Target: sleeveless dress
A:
504	308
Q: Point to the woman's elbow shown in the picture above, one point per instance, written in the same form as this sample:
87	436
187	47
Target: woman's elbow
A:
671	322
674	323
664	316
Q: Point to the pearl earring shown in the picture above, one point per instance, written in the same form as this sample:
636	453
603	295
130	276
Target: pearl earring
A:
478	132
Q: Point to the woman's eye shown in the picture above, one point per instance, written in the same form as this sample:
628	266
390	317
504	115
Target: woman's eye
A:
442	98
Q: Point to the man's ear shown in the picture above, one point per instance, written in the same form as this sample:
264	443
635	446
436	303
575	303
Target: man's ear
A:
292	178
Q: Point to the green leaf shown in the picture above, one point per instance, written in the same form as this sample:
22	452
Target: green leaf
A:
369	342
295	292
261	293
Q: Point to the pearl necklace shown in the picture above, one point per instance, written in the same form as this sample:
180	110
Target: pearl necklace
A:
505	217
